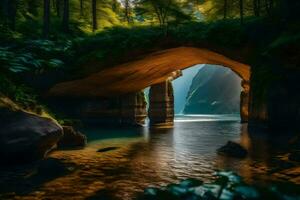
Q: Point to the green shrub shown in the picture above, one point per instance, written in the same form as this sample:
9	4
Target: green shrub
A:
21	94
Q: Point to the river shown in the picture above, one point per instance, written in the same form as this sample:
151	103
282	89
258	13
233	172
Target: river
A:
131	159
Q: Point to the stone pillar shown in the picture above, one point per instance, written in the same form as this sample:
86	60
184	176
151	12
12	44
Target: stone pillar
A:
161	109
244	107
133	109
275	100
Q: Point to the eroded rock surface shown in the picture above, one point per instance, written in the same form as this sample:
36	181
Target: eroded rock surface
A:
161	110
25	137
128	109
72	138
143	72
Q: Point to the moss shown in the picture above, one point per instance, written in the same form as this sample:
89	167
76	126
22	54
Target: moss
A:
5	102
20	97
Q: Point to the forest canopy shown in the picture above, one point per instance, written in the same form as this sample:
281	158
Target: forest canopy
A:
35	18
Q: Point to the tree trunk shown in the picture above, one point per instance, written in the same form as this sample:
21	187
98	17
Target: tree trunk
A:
10	9
255	7
225	8
33	7
258	7
5	11
53	4
46	18
127	11
58	3
94	11
65	22
269	6
242	11
81	8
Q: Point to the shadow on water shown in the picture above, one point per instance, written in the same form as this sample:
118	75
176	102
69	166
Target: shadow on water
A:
102	195
95	133
24	179
261	142
107	149
119	172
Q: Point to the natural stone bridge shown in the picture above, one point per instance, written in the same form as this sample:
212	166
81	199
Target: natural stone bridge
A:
114	94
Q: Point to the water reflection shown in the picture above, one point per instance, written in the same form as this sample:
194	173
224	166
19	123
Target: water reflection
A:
141	157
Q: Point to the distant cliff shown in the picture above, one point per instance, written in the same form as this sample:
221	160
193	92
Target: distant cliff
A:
214	90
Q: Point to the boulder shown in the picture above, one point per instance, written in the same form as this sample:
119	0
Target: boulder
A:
72	138
233	149
26	137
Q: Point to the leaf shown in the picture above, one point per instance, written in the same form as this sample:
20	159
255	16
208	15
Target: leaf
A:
55	63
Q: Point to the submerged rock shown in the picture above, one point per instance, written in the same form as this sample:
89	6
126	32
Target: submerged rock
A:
26	137
107	149
226	177
190	183
72	138
226	186
208	191
233	149
247	192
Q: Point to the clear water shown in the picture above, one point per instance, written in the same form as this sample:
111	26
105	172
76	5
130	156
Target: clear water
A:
144	157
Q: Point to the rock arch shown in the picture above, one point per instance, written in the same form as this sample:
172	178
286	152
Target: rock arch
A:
154	69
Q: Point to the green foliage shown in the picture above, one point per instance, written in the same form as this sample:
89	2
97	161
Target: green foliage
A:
163	12
21	94
112	44
286	49
219	32
34	56
17	62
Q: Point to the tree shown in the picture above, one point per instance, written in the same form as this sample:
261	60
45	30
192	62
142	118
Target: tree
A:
241	3
94	15
127	10
81	7
164	11
256	7
10	12
225	8
269	5
33	7
116	6
46	24
66	13
58	7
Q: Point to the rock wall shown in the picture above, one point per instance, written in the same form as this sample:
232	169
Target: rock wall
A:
215	90
244	101
161	109
133	109
128	109
275	99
